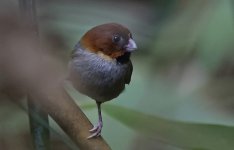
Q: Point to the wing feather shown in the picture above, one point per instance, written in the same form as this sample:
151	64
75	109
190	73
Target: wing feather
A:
129	73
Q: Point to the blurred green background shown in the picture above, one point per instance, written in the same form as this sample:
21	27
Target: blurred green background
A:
182	91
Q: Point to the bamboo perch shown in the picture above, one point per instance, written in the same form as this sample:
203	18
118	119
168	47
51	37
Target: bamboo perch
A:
59	105
40	134
54	100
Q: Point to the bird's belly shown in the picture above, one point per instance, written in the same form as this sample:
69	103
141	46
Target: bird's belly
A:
100	84
103	93
99	89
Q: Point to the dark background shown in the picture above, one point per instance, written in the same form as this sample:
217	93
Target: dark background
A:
181	93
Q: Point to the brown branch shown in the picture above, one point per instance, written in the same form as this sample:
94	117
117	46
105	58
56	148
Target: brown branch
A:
59	105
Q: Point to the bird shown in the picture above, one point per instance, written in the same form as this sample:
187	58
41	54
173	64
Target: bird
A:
100	65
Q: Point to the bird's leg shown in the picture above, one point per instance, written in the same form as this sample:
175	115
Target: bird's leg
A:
96	130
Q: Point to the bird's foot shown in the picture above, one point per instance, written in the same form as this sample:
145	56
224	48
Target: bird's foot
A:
96	130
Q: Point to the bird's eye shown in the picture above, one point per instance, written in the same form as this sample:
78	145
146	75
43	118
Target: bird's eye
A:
116	38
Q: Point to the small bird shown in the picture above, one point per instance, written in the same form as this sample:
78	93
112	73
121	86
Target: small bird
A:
100	65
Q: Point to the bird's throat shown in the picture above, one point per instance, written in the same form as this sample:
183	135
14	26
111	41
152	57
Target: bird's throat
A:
121	59
124	58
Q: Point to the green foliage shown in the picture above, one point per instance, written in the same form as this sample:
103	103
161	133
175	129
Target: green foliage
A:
182	134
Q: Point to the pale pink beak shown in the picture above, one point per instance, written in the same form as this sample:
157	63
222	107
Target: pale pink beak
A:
131	46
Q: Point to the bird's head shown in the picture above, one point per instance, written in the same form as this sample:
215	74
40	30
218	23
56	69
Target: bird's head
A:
111	41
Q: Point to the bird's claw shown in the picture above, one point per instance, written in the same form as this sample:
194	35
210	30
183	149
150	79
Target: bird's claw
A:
93	129
96	131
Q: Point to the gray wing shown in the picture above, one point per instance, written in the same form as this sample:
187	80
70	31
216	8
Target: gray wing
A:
129	73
